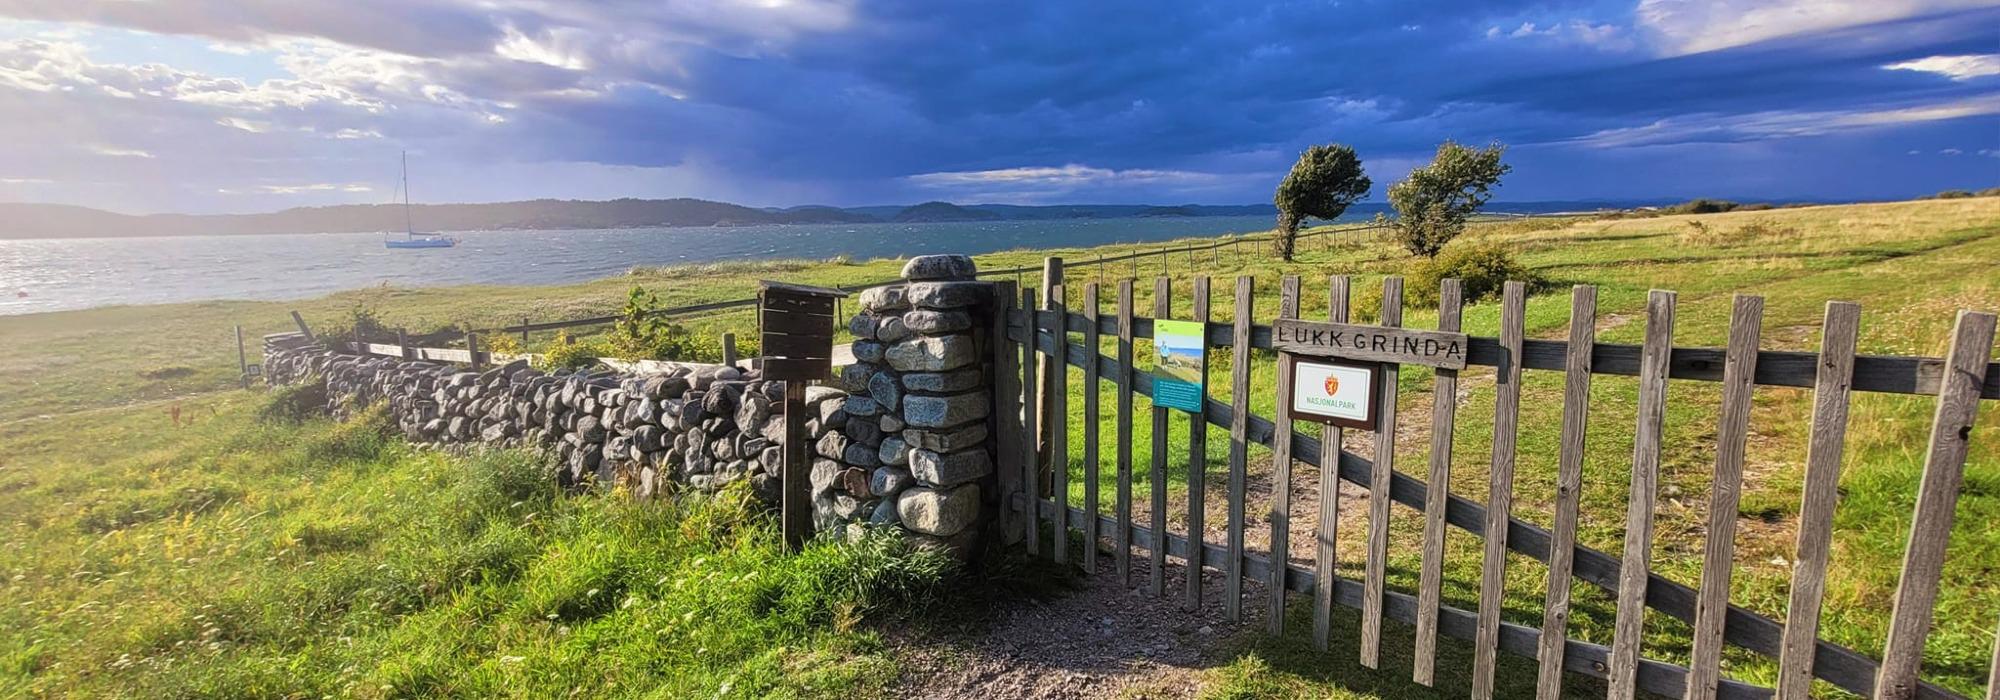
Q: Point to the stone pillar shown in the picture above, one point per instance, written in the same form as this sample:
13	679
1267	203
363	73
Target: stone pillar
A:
916	452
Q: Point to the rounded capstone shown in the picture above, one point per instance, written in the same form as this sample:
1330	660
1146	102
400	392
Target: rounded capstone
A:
940	267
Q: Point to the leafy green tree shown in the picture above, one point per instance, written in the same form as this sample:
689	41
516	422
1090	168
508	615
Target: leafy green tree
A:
1435	201
1324	181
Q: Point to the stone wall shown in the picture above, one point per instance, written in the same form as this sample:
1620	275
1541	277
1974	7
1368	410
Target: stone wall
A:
915	451
702	426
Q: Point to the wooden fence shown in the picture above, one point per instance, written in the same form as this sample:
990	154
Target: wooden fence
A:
1039	344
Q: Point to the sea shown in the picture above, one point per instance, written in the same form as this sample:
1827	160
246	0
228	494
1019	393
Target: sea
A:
42	275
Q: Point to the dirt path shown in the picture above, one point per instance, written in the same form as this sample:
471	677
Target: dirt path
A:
1104	639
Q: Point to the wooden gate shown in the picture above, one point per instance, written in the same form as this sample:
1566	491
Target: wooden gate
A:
1041	343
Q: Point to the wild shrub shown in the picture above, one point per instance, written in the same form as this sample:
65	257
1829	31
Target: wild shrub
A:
491	481
294	403
1435	201
1481	267
564	352
363	437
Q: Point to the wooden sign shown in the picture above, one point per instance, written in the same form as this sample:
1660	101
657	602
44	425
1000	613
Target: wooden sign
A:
797	323
1371	343
1333	392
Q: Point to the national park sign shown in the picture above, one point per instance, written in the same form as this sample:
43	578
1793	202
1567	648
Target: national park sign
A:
1370	343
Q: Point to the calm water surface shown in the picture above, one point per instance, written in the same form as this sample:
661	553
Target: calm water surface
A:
56	275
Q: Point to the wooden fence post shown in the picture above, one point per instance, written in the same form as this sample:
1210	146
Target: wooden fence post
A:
1280	516
1444	415
729	349
1052	280
1239	446
1838	335
1324	567
1197	478
1031	432
1156	577
1092	450
1500	489
302	325
1058	425
1569	485
472	349
403	350
524	334
1937	498
1629	626
1725	489
1121	538
1379	477
796	514
1008	407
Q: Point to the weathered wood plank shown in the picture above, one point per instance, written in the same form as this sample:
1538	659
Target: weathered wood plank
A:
1058	427
1633	568
1280	515
1838	335
1031	433
1052	279
1569	490
1499	490
1325	566
1122	536
1197	516
1937	498
1156	558
1746	321
795	516
1239	449
1381	476
1006	418
1092	452
1371	343
1444	414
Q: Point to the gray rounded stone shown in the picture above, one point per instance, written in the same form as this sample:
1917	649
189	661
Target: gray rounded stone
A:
892	329
940	267
891	297
884	390
945	411
942	382
932	322
940	512
889	481
948	295
863	325
951	469
867	351
894	450
931	354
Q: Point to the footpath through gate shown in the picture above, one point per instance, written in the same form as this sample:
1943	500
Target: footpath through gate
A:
1043	339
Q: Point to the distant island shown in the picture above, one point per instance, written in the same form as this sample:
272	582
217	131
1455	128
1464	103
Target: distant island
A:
22	221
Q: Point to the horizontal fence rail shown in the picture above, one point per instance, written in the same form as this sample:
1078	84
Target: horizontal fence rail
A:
1707	609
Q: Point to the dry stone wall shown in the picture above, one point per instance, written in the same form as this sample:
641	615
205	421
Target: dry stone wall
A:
916	450
702	426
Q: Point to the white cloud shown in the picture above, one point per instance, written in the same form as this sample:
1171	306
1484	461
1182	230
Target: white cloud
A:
1583	32
1954	67
352	187
1067	175
117	152
1777	124
1694	26
560	47
25	181
1950	152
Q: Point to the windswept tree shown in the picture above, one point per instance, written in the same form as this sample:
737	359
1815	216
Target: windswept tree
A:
1435	201
1321	185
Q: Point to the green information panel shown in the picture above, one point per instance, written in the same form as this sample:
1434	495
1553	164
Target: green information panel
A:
1177	374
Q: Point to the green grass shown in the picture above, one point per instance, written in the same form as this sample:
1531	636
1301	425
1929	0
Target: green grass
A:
118	492
237	558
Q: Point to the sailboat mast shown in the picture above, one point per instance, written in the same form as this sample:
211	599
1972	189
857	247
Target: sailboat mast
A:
408	230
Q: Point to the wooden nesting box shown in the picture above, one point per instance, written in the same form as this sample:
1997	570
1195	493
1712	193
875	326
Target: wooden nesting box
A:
796	322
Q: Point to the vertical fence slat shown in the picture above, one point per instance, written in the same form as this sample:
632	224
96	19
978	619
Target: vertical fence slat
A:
1444	414
1007	411
1198	455
1824	448
1092	396
1239	447
1325	535
1739	371
1031	442
1993	673
1122	539
1937	497
1443	419
1500	489
1379	477
1632	571
1058	426
1569	487
1156	556
1281	477
1052	279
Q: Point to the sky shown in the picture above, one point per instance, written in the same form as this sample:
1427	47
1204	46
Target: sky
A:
257	105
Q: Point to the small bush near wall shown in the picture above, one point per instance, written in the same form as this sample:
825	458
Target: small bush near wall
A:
1482	267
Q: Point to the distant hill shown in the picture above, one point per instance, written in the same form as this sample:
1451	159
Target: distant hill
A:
941	211
63	221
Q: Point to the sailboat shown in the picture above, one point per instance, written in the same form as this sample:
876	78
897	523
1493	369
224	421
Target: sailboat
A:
412	239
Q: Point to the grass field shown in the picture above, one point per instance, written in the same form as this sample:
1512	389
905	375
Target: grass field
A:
320	553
